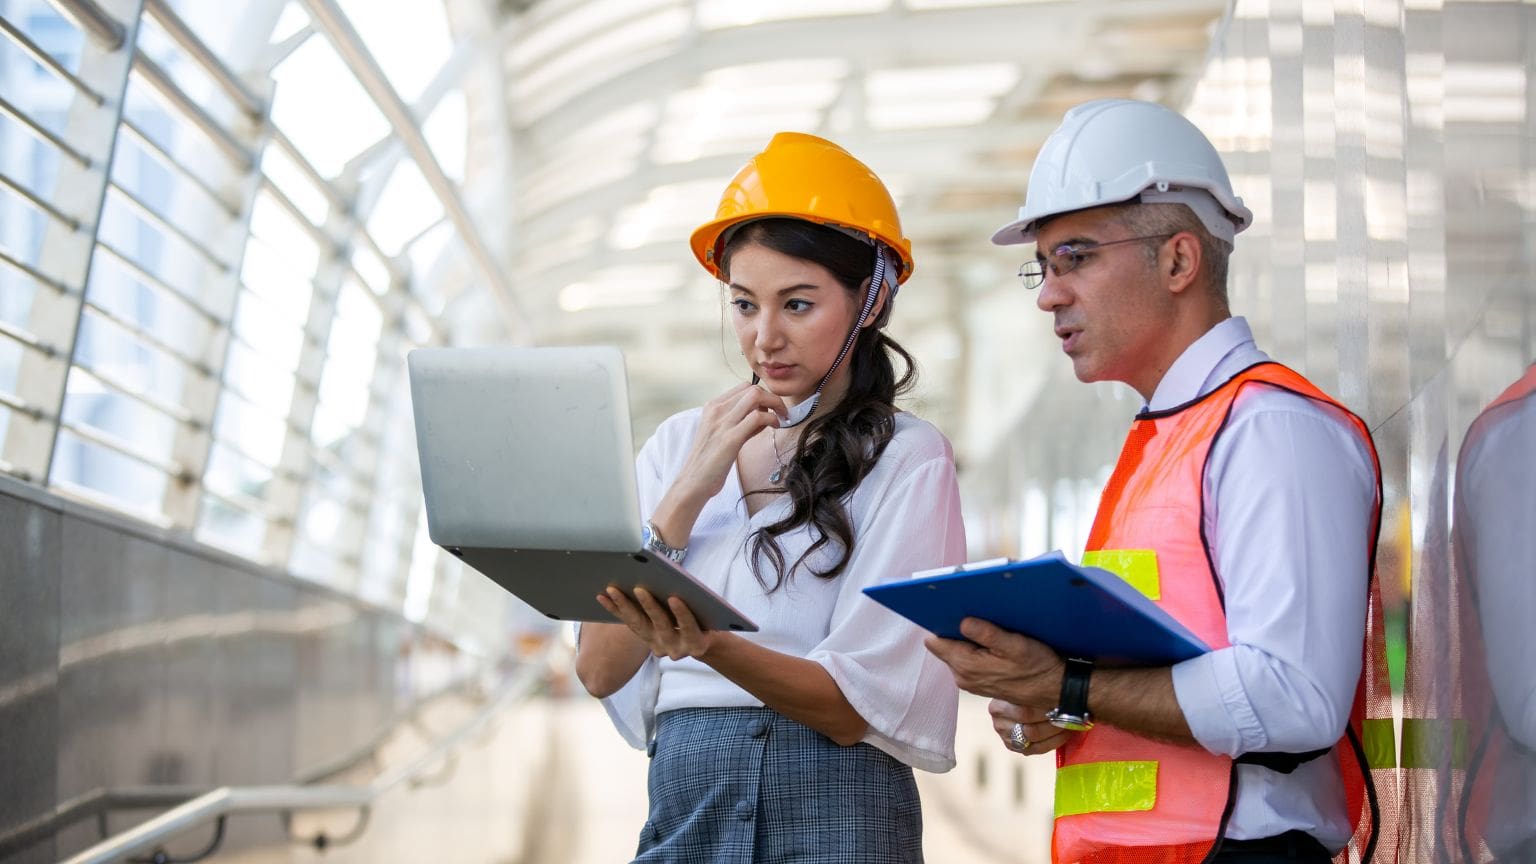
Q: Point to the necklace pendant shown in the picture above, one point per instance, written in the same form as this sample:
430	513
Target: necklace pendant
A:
776	476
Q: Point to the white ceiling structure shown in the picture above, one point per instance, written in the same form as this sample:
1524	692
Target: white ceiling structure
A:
620	121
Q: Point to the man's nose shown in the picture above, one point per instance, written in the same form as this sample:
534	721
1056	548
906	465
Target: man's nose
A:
1050	294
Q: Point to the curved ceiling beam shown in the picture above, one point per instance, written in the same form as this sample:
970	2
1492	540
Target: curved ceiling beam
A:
334	24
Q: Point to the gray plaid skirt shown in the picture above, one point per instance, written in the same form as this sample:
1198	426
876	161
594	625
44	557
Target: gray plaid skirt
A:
749	786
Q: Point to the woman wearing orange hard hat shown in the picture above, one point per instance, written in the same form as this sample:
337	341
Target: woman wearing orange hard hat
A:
788	495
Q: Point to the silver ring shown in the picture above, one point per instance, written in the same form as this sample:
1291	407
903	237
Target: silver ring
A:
1016	740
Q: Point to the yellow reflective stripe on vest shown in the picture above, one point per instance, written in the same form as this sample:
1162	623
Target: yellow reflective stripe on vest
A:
1380	743
1426	741
1136	566
1105	787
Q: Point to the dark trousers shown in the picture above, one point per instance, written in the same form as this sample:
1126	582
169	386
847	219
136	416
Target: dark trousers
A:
1292	847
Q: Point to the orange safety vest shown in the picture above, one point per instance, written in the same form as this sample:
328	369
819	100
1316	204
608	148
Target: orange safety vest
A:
1455	743
1125	799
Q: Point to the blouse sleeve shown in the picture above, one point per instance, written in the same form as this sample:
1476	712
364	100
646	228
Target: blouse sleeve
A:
905	694
632	708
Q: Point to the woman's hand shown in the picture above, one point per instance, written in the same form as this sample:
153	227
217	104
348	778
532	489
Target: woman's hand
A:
667	630
1039	735
729	421
800	689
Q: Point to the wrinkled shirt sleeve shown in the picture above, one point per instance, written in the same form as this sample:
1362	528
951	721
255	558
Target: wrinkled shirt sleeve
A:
1290	491
1496	511
906	695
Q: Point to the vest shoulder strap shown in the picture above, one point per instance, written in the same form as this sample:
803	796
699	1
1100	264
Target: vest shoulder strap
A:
1284	763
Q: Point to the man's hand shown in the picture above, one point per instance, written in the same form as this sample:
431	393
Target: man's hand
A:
1039	735
1027	673
1001	664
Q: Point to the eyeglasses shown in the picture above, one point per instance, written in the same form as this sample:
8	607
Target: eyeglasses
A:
1065	259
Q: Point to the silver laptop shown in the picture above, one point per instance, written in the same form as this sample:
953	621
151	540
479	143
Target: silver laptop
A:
527	466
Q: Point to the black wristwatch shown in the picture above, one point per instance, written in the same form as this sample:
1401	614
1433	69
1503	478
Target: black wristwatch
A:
1071	712
652	539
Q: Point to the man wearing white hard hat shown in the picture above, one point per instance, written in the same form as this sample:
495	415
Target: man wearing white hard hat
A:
1246	503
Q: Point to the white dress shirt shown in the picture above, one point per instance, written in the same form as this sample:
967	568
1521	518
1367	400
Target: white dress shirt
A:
1495	543
1288	493
906	517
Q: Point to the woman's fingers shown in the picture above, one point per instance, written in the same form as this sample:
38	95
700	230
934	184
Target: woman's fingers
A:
687	624
659	617
616	601
728	422
693	639
745	409
668	630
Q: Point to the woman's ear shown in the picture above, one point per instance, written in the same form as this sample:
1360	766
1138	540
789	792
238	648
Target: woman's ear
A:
880	301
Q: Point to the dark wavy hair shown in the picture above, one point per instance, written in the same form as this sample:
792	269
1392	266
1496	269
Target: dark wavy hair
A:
841	443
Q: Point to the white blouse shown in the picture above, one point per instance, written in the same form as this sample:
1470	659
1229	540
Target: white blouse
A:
906	517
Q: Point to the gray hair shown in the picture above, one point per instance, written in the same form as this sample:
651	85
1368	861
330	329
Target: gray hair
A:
1144	220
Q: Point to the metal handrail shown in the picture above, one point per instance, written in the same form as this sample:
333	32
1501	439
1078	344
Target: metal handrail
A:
156	150
98	803
178	30
43	132
47	61
92	20
168	226
227	800
150	338
174	292
109	441
39	202
158	79
37	275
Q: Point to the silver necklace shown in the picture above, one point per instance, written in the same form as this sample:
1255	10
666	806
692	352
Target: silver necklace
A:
778	459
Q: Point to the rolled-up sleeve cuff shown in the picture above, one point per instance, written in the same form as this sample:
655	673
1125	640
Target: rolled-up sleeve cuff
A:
1215	705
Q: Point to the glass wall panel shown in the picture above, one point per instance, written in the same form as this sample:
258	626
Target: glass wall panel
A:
410	41
346	385
323	109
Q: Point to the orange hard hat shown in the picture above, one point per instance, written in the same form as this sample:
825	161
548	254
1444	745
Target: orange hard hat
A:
805	177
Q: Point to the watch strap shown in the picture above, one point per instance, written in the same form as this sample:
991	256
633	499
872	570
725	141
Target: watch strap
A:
1071	712
653	542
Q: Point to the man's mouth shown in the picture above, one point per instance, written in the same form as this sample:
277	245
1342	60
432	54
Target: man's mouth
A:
1068	337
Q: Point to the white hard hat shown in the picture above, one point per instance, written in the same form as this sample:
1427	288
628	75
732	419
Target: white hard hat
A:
1111	151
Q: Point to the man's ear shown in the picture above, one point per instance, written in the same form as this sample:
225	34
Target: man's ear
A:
1182	261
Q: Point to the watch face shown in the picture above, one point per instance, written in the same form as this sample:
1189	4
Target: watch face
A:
1071	722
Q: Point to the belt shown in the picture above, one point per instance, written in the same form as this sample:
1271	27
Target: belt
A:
1292	844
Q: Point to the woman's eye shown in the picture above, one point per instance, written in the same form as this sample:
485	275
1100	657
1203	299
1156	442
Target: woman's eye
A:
742	306
798	305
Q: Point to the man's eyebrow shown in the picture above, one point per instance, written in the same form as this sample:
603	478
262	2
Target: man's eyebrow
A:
1041	252
1075	241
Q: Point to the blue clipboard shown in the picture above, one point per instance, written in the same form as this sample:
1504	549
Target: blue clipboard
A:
1082	612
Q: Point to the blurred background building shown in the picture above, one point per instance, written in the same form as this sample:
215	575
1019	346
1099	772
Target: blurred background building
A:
223	225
